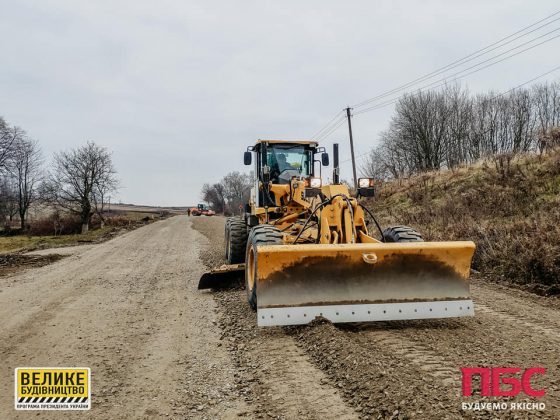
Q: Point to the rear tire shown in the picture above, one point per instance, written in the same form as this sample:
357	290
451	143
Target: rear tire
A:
236	240
260	235
401	234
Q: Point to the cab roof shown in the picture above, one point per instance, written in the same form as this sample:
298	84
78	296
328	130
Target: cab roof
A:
309	142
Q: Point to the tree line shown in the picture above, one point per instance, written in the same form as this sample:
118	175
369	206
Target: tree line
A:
77	181
229	195
434	130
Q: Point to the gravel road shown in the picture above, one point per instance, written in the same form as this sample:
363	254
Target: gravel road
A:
158	348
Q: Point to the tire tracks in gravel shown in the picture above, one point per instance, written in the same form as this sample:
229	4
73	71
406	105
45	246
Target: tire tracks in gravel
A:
433	364
551	333
486	340
46	311
66	285
44	307
378	372
416	372
514	306
275	375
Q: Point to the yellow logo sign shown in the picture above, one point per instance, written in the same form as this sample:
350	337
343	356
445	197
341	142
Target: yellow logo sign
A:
53	389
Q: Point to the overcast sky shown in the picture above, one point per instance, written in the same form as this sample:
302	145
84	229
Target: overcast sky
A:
177	89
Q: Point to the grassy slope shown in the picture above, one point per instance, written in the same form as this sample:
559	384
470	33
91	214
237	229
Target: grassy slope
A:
511	210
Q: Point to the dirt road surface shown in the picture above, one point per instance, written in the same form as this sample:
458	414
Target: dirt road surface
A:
158	348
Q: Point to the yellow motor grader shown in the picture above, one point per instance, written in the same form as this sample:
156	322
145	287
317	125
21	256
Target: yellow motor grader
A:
307	250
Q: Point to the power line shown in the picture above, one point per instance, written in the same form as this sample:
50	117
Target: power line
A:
338	120
526	83
332	130
378	106
443	81
357	157
335	122
318	133
494	97
467	58
502	53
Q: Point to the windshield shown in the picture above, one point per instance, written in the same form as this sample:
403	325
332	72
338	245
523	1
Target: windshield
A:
286	161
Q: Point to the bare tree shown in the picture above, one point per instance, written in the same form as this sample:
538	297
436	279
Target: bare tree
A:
26	170
230	194
433	130
9	136
421	123
214	195
5	144
374	166
547	104
81	179
237	187
457	129
8	201
106	183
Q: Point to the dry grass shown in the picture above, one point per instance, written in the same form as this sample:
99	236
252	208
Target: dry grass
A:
509	207
27	242
41	233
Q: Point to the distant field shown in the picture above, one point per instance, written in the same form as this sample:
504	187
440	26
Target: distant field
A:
146	209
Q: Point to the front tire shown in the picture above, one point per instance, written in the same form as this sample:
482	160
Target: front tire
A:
260	235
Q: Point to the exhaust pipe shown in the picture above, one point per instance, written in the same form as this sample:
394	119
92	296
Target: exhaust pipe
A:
336	169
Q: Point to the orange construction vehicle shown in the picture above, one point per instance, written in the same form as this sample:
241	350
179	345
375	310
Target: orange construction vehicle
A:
202	210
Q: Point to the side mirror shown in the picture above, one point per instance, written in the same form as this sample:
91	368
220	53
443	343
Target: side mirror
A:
325	159
247	158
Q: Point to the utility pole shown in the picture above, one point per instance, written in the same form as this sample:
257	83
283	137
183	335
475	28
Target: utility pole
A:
336	165
352	146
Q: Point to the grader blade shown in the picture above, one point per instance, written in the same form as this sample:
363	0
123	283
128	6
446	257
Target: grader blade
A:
221	277
363	282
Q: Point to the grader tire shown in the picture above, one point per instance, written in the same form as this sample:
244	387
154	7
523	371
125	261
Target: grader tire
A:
401	234
260	235
236	240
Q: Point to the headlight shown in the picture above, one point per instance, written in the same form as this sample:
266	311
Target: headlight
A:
315	183
365	182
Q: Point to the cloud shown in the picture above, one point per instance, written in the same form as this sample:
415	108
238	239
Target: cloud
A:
178	89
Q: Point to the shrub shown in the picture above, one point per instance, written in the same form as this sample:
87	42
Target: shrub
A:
56	225
513	215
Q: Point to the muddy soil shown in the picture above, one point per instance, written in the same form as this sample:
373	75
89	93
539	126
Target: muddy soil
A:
11	263
393	369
